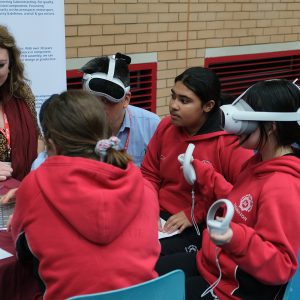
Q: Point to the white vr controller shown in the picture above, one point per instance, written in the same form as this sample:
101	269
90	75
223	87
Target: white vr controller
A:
219	226
188	169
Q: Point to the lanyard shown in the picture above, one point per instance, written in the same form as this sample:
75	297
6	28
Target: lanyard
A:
128	136
6	131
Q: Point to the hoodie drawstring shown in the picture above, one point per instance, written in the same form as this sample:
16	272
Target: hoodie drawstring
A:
192	213
210	289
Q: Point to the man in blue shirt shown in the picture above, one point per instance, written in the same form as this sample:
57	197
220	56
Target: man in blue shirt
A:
108	79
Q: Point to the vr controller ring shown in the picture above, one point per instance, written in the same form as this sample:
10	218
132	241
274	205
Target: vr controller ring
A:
219	226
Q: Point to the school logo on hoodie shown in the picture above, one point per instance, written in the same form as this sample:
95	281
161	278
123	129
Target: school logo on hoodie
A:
246	203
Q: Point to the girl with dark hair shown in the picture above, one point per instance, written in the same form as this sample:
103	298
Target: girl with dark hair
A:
88	215
257	255
194	118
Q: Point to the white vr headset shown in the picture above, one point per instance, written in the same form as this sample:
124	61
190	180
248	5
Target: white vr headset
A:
106	85
239	118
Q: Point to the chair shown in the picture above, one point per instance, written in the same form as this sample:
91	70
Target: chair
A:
170	286
292	291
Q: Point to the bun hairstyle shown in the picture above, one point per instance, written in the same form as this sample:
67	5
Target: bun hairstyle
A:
74	122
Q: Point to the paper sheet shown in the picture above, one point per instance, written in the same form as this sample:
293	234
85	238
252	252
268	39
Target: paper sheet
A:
5	211
162	235
4	254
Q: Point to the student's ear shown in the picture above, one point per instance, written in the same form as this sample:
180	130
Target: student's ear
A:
209	105
127	100
51	148
272	128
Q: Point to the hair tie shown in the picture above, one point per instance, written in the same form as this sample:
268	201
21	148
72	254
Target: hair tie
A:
103	145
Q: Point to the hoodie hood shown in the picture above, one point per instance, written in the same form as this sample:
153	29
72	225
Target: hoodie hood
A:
97	199
289	164
212	124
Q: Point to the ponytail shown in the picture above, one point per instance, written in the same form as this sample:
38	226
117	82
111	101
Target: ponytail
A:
108	151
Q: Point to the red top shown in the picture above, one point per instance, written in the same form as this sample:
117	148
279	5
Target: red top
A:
23	136
162	168
262	255
92	226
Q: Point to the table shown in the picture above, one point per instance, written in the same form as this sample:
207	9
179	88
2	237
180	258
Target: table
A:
17	281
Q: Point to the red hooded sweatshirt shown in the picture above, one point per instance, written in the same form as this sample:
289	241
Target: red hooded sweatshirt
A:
213	146
262	255
92	226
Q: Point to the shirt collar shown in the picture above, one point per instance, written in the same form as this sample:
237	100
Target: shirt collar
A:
126	121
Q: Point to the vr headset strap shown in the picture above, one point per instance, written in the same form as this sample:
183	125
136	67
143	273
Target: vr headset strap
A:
111	68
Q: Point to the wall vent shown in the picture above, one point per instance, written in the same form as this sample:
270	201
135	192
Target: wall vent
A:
239	72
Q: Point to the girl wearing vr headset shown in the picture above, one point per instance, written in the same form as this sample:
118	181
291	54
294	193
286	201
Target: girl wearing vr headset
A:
257	254
89	216
194	118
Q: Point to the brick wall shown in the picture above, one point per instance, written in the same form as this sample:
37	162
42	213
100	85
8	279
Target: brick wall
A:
178	31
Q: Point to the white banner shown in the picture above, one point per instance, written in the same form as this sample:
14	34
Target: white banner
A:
39	29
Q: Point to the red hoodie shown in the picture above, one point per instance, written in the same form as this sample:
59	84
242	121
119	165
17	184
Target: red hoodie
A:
92	226
162	168
262	255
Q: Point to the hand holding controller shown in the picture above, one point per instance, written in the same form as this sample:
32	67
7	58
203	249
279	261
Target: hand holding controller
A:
185	160
219	226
